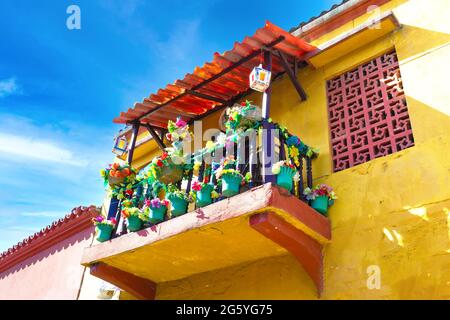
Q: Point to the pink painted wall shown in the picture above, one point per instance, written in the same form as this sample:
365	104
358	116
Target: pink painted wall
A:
54	273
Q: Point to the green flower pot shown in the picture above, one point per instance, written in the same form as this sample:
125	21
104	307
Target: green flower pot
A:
229	166
157	214
178	205
284	178
134	223
204	196
320	204
104	232
230	184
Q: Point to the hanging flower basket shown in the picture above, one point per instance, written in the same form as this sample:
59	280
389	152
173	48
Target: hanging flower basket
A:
231	184
171	173
164	169
243	116
178	205
116	174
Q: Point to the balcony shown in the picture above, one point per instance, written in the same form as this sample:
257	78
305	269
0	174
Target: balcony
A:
263	220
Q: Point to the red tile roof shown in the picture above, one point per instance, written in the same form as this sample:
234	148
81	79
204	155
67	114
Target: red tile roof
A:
78	220
217	79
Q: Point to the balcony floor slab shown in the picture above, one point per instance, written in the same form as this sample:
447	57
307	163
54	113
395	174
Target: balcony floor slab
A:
214	237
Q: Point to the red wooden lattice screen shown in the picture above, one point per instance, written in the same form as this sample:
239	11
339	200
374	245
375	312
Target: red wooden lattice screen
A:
368	113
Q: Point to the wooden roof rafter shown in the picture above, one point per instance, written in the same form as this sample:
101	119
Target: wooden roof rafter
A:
218	83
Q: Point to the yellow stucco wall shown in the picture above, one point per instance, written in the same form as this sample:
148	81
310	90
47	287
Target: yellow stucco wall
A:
392	212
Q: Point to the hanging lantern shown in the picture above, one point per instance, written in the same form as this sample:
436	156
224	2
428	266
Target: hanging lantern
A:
259	78
120	145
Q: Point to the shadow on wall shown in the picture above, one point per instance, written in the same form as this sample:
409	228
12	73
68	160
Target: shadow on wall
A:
56	248
279	277
429	119
424	40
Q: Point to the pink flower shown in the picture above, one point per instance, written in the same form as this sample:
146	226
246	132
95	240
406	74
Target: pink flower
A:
147	202
99	219
229	143
196	186
113	220
180	123
155	203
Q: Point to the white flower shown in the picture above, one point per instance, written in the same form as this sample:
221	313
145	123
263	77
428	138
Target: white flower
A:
221	139
276	168
188	137
177	160
175	136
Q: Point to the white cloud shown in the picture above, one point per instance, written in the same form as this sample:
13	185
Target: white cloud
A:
8	87
28	229
182	42
46	214
35	148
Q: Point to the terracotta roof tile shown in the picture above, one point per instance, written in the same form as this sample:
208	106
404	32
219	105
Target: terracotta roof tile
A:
189	96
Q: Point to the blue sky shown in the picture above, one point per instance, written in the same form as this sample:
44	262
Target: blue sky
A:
60	88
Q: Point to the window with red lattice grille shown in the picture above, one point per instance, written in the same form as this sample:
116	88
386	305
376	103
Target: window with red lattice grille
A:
368	113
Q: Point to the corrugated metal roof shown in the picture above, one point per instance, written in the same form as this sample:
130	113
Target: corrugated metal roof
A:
216	82
334	6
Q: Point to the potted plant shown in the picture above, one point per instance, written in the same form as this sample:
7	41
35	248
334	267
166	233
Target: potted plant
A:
179	201
203	193
103	227
135	218
156	209
230	178
116	174
322	196
165	168
286	174
242	117
297	148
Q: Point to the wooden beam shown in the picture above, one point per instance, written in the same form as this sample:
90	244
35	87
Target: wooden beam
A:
230	102
140	288
307	250
205	96
292	75
162	133
133	142
155	136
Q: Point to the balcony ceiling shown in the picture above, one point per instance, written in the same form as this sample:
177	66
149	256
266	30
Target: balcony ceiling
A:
216	83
